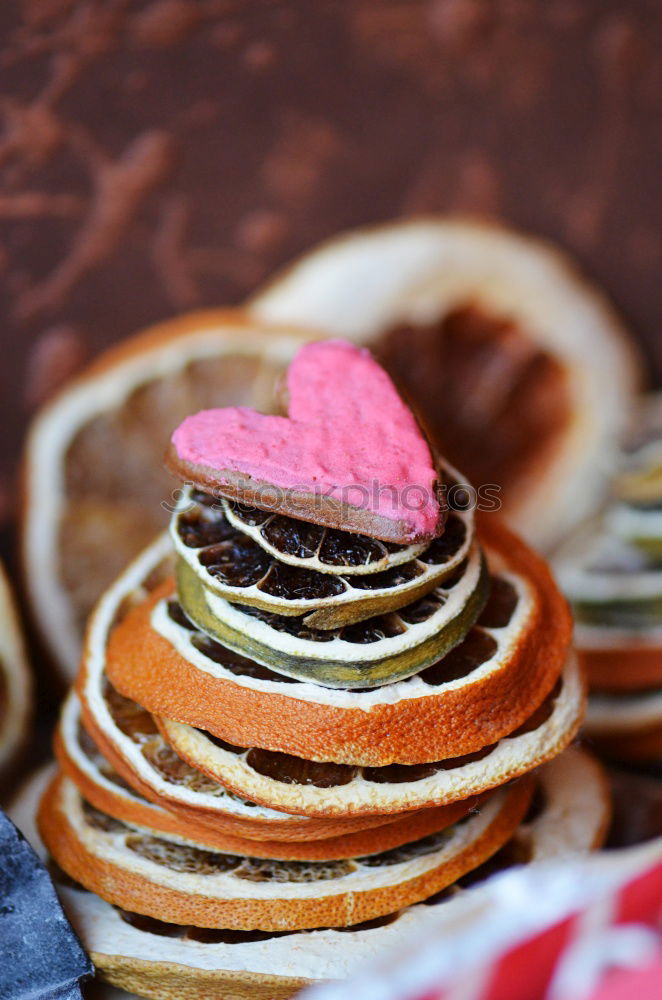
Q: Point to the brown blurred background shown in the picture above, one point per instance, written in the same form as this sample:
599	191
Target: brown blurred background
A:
158	156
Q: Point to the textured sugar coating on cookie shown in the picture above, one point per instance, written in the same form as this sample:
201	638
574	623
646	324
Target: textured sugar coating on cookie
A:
348	435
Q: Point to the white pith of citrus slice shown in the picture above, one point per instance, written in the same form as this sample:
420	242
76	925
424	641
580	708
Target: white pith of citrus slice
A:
93	466
15	679
512	756
573	820
402	554
334	660
364	284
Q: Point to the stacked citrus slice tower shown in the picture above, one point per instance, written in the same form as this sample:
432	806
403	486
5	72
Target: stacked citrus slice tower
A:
315	704
612	574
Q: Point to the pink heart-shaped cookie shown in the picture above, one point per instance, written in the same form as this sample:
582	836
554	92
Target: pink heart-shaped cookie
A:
349	455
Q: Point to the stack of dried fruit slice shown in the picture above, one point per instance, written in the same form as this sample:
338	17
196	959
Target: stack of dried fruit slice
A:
286	725
15	683
155	958
445	304
612	574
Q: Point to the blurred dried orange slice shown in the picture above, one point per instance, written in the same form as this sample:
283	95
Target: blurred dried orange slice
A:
94	478
517	364
15	684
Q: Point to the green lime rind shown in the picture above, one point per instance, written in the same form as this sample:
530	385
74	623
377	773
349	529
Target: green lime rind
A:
340	672
636	613
637	526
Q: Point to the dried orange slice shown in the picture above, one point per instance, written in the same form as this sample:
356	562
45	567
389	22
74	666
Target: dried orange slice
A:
135	952
101	786
15	682
627	725
640	747
512	659
293	784
131	744
493	335
616	593
621	660
232	564
610	584
182	882
94	481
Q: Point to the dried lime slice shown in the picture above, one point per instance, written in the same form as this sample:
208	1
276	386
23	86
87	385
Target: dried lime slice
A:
232	565
611	584
639	525
378	651
314	547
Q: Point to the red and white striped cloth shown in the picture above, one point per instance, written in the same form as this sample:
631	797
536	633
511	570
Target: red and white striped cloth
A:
586	928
